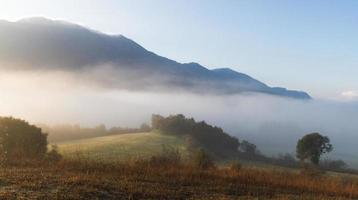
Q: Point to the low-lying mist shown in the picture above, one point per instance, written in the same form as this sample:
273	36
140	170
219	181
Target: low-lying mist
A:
273	124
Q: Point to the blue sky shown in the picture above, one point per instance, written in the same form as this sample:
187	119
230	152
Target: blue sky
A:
307	45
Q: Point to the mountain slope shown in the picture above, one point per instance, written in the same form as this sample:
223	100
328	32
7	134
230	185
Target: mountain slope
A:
42	44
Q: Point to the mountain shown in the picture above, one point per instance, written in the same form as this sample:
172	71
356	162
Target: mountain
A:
42	44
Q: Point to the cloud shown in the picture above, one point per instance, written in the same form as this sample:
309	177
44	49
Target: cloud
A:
69	87
350	95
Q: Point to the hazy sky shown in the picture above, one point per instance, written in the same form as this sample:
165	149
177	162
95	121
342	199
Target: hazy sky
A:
307	45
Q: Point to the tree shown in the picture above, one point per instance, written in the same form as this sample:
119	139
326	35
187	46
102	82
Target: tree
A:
248	148
157	121
212	138
312	146
20	140
145	127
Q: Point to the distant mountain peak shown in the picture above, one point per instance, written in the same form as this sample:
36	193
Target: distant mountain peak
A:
39	20
225	69
194	64
46	22
43	44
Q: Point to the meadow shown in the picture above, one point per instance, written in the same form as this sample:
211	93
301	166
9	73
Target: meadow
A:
121	147
121	167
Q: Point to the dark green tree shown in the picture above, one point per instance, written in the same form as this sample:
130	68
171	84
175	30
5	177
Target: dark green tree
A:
248	148
312	146
20	140
203	135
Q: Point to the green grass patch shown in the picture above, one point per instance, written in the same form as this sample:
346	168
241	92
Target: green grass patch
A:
122	147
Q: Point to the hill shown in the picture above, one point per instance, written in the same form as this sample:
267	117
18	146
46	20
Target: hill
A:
81	178
121	147
115	61
122	167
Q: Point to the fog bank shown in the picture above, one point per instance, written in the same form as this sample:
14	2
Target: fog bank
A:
273	123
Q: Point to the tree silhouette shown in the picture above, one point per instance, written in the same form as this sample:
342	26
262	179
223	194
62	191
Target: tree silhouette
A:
312	146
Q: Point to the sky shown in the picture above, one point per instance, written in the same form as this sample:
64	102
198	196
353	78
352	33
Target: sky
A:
304	45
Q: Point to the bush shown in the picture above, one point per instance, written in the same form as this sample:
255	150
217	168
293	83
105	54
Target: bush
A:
202	160
286	160
21	141
168	156
235	166
311	170
53	156
333	164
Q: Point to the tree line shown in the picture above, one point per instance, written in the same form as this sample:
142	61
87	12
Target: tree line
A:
201	134
20	140
66	132
309	148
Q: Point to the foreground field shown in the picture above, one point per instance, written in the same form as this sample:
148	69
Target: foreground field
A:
120	147
119	167
140	180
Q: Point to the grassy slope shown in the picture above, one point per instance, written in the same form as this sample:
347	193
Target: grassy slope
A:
121	147
93	180
124	147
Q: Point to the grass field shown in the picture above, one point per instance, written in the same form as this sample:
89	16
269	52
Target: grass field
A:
115	167
83	180
132	146
121	147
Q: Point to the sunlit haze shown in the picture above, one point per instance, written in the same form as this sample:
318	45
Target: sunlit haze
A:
180	99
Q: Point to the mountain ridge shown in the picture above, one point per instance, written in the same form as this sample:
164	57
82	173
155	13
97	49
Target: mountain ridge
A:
40	43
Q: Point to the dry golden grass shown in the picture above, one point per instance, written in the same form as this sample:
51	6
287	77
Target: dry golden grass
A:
142	180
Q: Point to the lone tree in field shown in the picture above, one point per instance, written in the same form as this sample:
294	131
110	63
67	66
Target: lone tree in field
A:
312	146
20	140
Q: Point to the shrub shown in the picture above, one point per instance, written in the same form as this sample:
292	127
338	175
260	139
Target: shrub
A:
202	160
286	160
168	156
235	166
21	141
53	155
333	164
